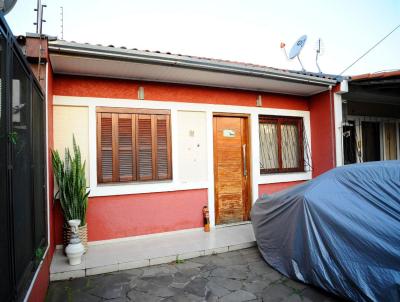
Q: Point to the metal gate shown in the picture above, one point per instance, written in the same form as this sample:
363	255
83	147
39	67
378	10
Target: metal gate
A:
23	228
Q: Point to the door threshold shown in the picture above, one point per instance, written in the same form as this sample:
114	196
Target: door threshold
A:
232	224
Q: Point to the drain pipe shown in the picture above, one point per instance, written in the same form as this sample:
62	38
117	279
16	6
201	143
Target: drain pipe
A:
332	116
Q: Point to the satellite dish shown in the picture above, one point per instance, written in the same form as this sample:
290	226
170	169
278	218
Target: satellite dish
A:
7	5
297	47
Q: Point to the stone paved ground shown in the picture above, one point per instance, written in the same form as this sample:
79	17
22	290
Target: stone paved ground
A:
234	276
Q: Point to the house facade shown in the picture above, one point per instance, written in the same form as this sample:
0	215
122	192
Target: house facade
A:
164	135
368	108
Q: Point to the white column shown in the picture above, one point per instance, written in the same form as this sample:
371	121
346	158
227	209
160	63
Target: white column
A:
338	128
210	167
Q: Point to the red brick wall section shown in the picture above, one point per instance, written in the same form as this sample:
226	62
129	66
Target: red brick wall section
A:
140	214
125	89
322	133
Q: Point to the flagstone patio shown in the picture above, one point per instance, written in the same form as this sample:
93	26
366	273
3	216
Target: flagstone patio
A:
240	275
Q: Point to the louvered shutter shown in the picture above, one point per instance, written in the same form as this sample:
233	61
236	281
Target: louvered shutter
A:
126	150
104	148
162	138
144	146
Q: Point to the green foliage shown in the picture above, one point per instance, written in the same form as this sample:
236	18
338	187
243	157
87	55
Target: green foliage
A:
179	261
39	253
70	178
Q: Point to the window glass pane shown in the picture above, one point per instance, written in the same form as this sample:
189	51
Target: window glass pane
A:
22	194
268	146
38	144
290	146
5	263
390	141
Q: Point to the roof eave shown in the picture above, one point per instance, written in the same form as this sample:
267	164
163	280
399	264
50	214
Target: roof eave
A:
88	50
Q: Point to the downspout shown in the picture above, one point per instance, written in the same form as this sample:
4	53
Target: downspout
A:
333	134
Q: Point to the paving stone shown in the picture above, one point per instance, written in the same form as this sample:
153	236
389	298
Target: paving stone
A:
217	289
163	292
228	273
295	284
83	297
162	280
256	287
238	296
135	295
184	297
188	265
110	291
273	276
203	259
197	287
226	260
178	285
136	272
184	276
59	292
159	270
230	284
276	293
311	294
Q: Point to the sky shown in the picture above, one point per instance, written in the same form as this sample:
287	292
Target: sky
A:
246	31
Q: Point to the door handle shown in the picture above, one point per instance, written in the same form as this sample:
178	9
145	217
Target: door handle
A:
244	160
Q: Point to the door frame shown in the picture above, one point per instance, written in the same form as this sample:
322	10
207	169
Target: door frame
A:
247	119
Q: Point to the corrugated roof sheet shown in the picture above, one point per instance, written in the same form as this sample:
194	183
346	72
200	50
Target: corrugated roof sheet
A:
376	75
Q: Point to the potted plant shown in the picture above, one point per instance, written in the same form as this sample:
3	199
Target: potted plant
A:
72	193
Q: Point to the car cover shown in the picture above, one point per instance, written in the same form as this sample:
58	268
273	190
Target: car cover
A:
339	231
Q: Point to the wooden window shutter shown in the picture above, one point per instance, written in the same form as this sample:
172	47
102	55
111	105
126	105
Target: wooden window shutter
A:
104	147
144	146
126	147
163	147
133	144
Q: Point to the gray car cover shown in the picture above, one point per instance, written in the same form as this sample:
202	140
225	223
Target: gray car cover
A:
339	231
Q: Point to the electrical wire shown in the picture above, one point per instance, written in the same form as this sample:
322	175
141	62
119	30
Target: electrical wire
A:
379	42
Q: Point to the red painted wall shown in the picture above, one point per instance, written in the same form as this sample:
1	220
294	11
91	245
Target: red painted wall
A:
39	288
322	133
276	187
119	216
125	89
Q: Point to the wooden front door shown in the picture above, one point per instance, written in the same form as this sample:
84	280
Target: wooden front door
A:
231	169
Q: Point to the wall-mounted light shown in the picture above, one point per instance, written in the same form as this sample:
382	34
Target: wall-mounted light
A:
259	101
140	93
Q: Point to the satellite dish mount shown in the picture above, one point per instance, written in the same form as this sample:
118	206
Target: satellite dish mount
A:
296	49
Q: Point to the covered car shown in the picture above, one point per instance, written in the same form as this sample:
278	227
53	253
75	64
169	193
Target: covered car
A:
339	231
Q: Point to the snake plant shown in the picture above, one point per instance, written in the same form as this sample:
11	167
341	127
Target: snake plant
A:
71	181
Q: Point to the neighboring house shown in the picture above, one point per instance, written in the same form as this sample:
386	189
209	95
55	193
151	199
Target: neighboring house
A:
368	107
164	135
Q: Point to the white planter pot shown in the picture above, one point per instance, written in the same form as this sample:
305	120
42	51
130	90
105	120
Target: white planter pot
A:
74	249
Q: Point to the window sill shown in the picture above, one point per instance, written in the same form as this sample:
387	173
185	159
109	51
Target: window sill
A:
111	189
284	177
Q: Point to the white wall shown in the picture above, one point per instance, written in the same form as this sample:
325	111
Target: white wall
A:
192	146
69	121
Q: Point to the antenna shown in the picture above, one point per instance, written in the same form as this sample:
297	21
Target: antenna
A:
39	27
62	22
319	51
296	49
39	17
